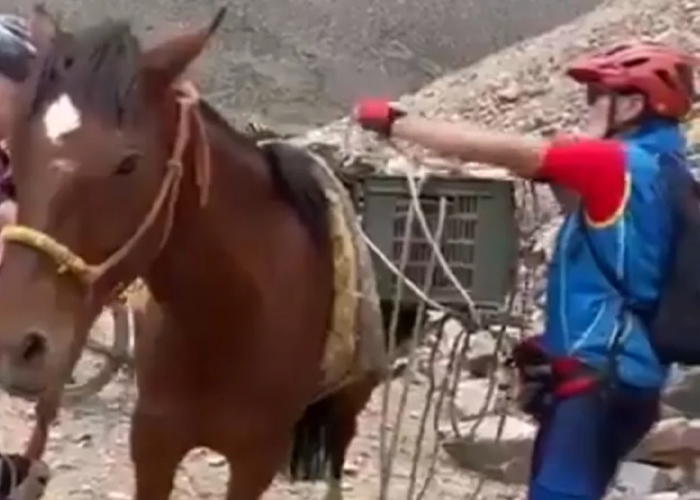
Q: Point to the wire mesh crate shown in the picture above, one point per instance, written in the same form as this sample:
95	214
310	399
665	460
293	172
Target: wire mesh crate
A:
479	237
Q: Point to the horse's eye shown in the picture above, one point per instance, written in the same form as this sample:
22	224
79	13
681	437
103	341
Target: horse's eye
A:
127	165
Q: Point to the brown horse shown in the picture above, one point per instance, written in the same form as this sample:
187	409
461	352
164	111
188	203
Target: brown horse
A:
116	163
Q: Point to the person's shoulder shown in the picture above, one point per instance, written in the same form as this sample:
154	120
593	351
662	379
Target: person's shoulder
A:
640	159
583	153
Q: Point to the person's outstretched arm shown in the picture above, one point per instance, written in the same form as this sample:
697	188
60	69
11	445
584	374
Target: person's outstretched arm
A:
22	478
595	169
519	153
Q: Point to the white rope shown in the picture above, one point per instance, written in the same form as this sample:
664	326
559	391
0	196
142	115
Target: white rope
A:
348	154
471	307
407	281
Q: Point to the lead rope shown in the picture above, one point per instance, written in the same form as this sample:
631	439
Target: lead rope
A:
188	99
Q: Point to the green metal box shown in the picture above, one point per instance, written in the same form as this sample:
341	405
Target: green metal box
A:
479	239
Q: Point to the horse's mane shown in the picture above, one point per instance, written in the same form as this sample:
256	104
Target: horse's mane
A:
96	67
292	173
213	116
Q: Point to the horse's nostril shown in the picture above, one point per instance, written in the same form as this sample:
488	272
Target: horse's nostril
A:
33	346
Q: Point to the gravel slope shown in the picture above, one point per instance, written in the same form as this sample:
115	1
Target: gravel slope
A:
300	62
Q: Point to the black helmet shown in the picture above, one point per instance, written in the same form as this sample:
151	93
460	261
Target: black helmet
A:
16	47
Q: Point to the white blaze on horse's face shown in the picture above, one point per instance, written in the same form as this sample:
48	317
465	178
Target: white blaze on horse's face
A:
61	118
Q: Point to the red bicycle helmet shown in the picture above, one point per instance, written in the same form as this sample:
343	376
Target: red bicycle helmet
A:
662	74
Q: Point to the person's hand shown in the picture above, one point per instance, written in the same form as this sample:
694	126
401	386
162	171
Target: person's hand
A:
16	47
26	479
535	376
377	115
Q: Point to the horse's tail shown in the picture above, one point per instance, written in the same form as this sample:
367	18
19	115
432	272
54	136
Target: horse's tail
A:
324	432
312	447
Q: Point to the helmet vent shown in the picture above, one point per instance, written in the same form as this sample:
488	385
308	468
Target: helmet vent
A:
686	77
666	78
616	50
637	61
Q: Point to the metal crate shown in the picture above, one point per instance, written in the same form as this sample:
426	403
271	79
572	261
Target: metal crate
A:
479	239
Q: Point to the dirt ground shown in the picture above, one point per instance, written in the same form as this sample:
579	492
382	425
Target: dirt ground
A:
88	451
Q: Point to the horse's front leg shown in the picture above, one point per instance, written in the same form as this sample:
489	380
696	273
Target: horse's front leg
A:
156	451
254	466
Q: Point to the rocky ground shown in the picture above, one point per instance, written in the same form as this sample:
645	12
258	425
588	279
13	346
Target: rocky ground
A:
89	453
462	454
520	88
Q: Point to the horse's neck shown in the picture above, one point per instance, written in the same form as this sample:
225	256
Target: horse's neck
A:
211	249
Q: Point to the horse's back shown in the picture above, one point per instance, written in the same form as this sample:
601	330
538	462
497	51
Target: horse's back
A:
293	172
352	263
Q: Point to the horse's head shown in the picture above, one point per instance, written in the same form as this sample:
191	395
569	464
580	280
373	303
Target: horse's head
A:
91	141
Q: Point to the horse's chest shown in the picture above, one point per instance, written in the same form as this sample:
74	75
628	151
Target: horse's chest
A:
211	358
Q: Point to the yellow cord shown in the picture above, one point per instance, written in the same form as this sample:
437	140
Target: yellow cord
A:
66	259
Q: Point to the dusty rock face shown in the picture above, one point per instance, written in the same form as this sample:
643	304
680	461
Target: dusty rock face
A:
300	62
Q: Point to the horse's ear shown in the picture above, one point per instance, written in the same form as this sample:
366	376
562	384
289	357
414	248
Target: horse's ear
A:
43	28
163	64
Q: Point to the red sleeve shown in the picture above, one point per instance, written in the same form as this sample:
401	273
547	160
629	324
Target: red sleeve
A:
594	169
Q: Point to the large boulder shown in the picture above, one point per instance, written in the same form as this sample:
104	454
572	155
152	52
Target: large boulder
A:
497	448
635	479
683	391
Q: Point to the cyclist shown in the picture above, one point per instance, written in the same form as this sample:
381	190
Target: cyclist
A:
601	392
